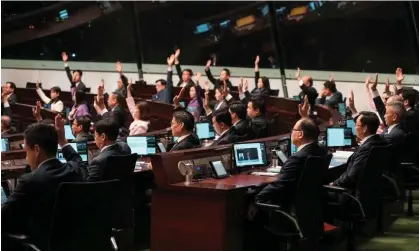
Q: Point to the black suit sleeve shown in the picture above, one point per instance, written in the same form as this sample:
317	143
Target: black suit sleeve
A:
257	76
286	182
95	170
349	178
69	76
13	211
179	73
380	107
6	111
210	76
71	155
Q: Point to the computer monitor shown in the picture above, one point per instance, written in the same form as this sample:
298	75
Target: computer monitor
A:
161	147
338	137
350	123
250	154
182	104
68	132
142	145
80	148
204	130
342	109
4	145
296	97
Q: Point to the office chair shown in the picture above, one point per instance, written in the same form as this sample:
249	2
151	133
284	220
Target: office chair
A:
274	93
410	174
122	168
390	193
307	226
81	219
359	207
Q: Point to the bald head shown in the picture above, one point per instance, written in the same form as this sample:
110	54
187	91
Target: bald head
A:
395	98
6	123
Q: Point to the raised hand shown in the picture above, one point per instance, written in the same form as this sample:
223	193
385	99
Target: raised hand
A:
257	60
240	87
351	102
245	86
304	108
197	77
37	111
59	127
387	88
64	56
177	53
171	60
206	86
399	76
118	67
374	83
332	77
38	85
367	81
208	64
297	74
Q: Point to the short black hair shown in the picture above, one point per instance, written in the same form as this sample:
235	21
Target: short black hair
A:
410	96
6	122
162	81
56	89
79	71
239	109
331	85
188	70
370	120
186	118
119	97
84	121
45	136
258	103
222	116
310	80
108	127
310	129
12	85
227	71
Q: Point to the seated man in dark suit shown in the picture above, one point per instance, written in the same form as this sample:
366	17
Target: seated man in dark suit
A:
6	126
221	121
8	97
182	126
240	123
394	133
81	129
304	136
259	123
29	208
165	87
117	112
366	127
106	134
330	96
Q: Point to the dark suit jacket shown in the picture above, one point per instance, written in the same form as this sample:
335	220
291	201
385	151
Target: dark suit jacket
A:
260	127
283	190
192	141
118	115
229	137
333	101
83	137
179	73
97	165
29	208
396	139
311	93
6	111
216	82
12	99
257	93
165	95
244	130
356	163
80	86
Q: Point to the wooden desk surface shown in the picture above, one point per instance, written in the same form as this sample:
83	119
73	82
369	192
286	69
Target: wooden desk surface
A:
230	183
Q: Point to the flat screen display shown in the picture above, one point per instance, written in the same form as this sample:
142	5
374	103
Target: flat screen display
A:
80	148
250	154
204	130
142	145
68	132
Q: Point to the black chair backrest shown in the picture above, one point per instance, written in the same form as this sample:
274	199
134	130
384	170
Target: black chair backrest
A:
82	215
368	189
274	93
308	203
122	168
88	89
